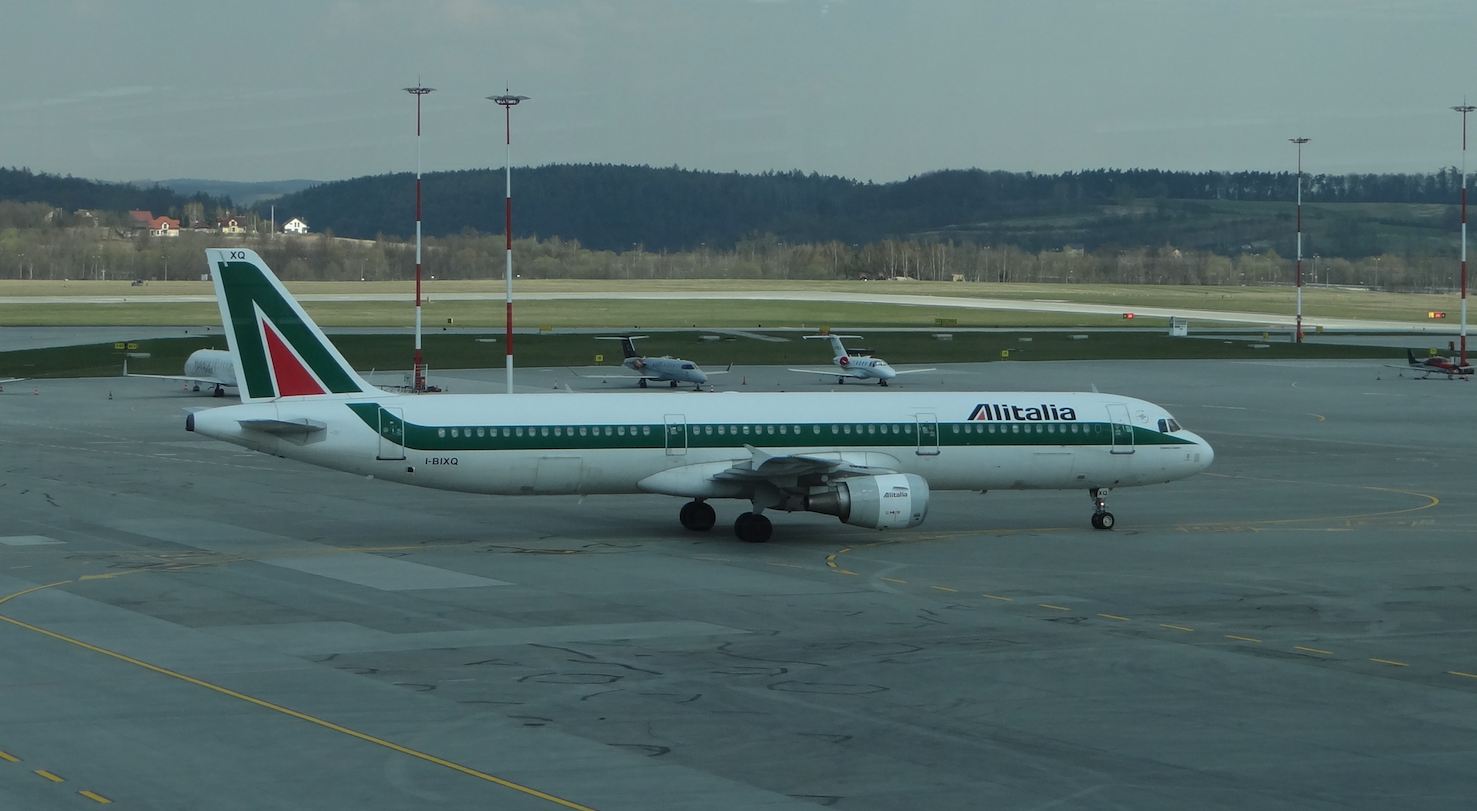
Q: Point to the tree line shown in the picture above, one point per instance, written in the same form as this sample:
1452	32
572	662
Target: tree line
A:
61	251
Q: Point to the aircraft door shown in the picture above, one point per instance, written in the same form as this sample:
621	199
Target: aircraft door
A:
392	434
676	435
928	435
1121	428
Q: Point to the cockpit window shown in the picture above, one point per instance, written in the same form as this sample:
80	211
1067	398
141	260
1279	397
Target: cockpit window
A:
688	366
1168	426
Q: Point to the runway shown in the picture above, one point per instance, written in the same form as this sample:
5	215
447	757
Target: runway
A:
190	625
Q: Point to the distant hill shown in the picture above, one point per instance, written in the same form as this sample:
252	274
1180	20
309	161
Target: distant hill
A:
246	194
609	207
72	193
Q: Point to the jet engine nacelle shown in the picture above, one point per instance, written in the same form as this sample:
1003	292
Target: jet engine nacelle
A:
886	501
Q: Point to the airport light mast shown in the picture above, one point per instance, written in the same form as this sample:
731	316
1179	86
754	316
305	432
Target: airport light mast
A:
507	101
1464	109
419	375
1300	142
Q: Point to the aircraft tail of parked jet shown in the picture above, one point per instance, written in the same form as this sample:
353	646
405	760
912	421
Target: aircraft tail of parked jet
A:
628	344
838	349
280	352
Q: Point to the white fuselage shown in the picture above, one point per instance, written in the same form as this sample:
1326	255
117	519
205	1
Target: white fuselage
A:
612	443
674	369
211	365
865	367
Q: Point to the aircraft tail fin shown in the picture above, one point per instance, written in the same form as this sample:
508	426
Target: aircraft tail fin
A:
278	350
628	345
1410	353
838	349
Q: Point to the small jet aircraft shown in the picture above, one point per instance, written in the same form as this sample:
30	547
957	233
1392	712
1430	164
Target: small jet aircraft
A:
672	370
1436	365
213	367
860	366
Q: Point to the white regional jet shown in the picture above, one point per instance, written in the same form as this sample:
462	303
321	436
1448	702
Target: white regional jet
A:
869	458
213	367
859	366
669	369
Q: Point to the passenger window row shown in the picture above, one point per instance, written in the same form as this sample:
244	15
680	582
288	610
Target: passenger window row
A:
544	430
1015	428
868	429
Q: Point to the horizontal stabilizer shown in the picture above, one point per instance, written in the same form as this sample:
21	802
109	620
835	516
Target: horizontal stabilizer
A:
281	427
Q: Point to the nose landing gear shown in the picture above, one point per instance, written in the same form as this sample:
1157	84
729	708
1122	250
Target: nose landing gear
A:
1101	518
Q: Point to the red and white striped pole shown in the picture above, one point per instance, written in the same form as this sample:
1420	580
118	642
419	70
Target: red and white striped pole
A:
419	383
507	101
1300	142
1464	109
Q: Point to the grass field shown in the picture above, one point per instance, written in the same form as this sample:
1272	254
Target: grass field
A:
1327	302
464	351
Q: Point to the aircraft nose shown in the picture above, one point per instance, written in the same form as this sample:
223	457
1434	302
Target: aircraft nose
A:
1207	453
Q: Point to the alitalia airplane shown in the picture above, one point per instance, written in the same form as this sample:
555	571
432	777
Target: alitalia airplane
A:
212	367
872	459
860	366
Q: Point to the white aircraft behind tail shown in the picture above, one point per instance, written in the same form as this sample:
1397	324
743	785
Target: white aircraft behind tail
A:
870	458
213	367
858	367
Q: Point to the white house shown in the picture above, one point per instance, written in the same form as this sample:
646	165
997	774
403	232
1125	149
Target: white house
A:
295	226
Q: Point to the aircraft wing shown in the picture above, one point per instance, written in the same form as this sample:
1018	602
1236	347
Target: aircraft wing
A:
13	380
210	380
912	371
763	466
830	373
185	378
719	371
621	374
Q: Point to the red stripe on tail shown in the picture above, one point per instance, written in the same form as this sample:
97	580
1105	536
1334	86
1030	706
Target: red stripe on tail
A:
291	377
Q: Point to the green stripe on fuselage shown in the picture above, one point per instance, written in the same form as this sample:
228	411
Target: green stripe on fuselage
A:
736	435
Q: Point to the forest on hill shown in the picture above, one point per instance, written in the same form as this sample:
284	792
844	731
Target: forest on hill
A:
71	194
1391	232
619	208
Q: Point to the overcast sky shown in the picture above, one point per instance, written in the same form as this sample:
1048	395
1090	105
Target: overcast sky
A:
866	89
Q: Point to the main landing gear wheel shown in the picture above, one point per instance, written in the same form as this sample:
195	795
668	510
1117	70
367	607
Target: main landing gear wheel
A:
697	516
752	528
674	384
641	382
1101	518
